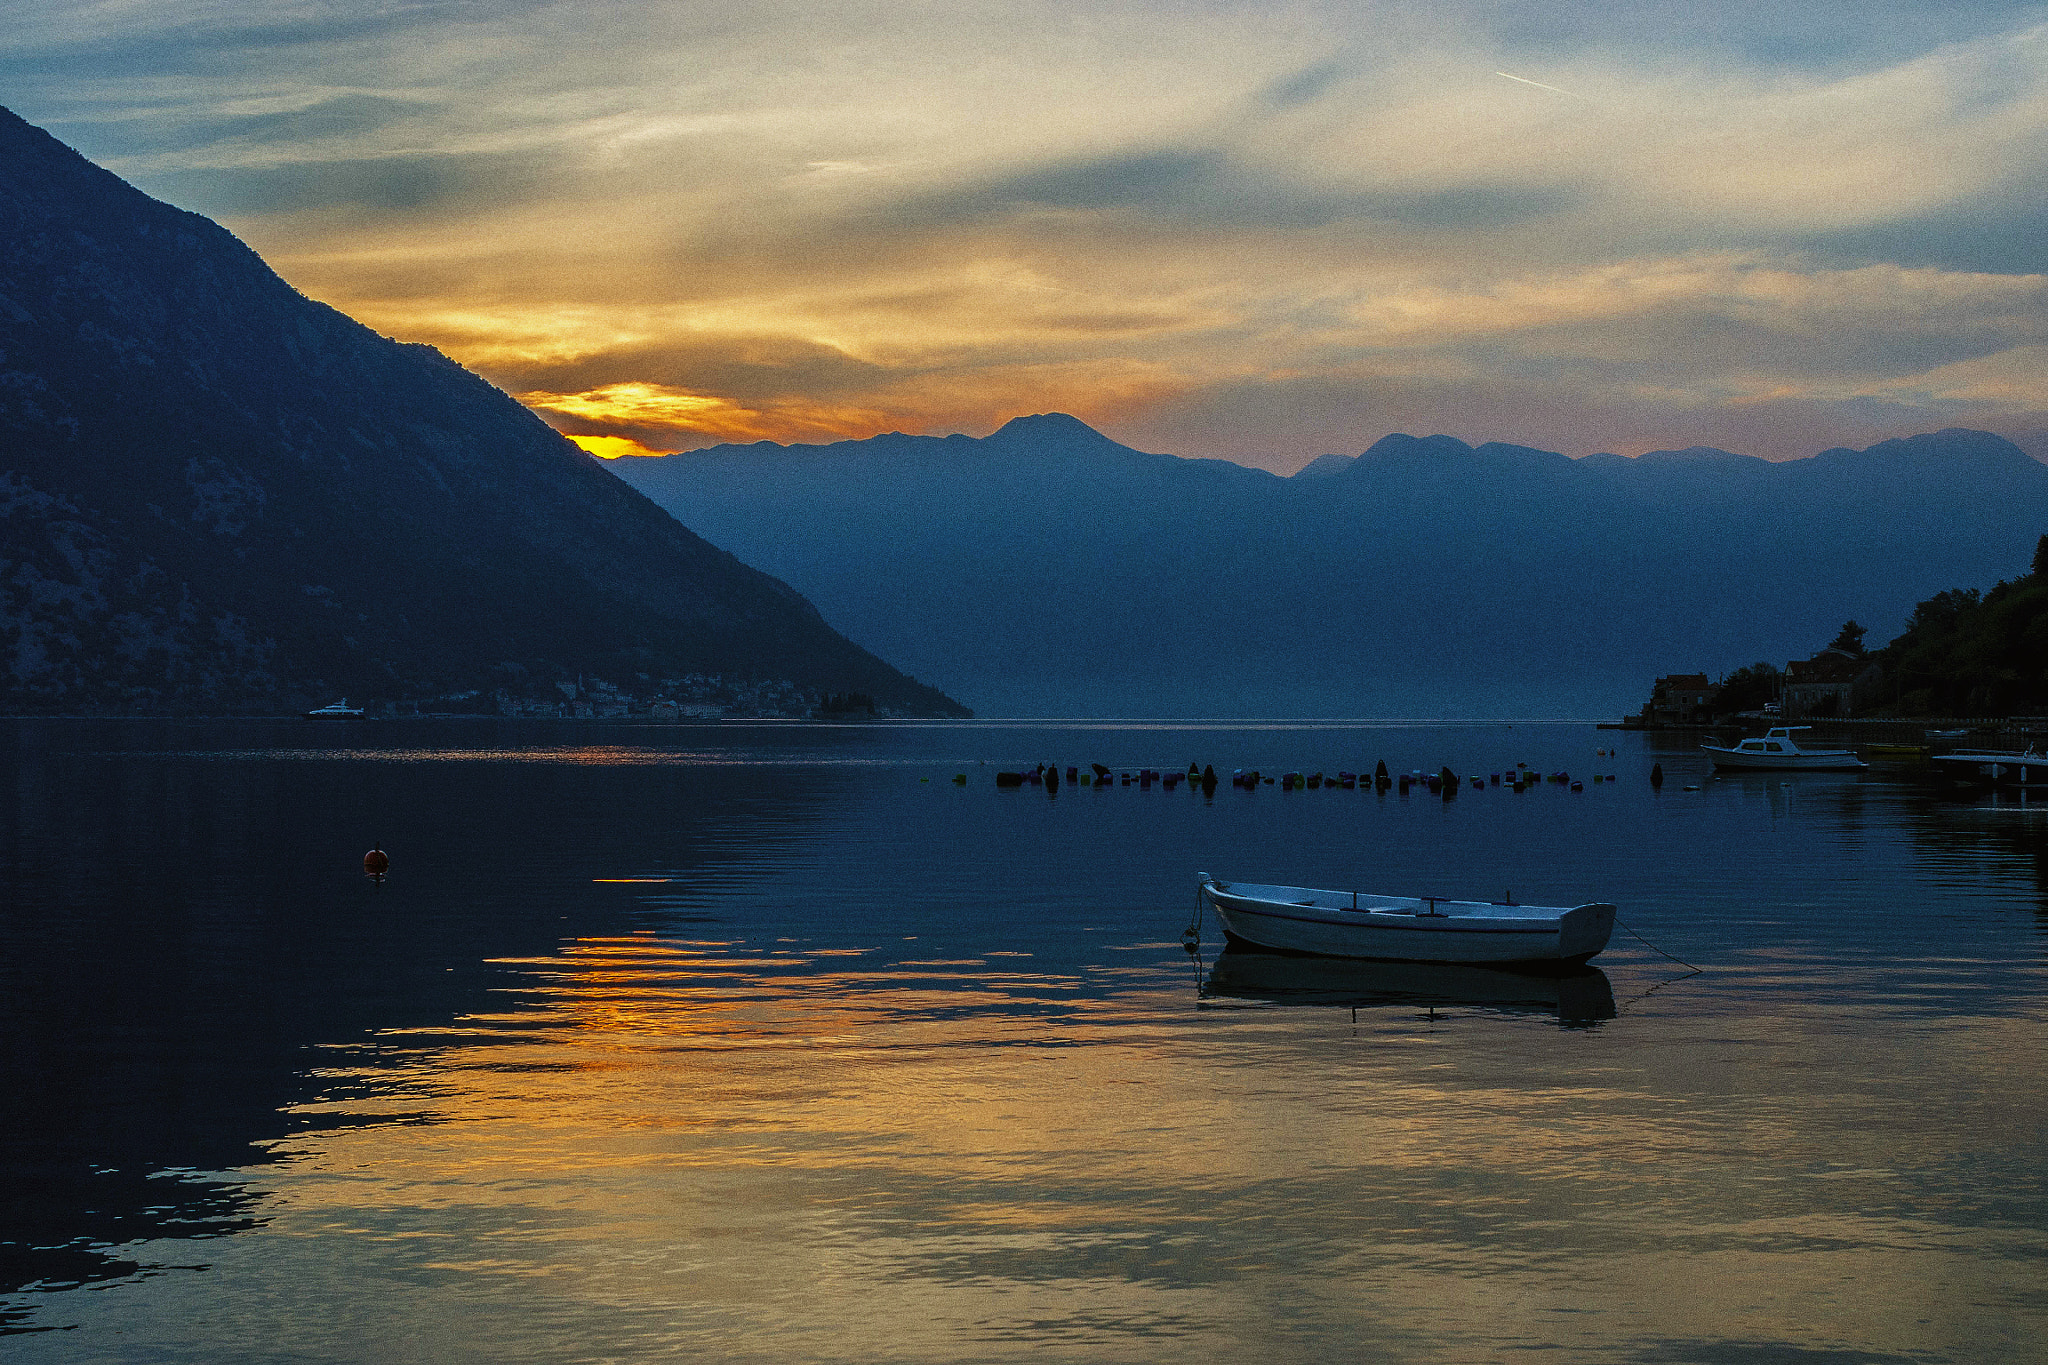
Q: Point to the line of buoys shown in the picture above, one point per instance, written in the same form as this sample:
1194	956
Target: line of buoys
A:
1443	782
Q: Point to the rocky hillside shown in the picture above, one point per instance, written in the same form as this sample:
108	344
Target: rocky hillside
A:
220	495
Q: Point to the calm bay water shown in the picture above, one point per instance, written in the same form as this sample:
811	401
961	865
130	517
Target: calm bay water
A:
770	1043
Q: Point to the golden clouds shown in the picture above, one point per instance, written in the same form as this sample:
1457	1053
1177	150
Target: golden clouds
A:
1185	228
638	404
650	410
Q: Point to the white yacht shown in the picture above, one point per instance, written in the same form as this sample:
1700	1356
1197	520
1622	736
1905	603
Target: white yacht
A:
1775	750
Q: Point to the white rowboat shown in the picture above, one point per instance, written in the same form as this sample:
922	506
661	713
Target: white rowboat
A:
1300	919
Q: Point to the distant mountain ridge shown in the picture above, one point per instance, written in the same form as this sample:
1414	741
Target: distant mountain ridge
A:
219	494
1047	570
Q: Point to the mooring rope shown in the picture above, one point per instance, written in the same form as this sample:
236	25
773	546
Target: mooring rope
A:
1655	949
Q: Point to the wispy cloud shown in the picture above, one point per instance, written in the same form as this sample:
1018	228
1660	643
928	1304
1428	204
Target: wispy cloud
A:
1255	231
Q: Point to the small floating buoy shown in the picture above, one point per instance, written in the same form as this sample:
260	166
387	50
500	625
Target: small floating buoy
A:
1692	789
1100	771
959	779
1578	786
376	863
1009	779
1656	774
1052	780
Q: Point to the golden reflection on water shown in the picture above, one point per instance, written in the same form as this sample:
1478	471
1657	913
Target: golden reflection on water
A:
774	1152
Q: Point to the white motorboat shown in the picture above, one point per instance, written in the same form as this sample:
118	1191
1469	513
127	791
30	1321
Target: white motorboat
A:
1998	768
1300	919
336	710
1776	751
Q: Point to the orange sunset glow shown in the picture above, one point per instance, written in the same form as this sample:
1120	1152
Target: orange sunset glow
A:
611	447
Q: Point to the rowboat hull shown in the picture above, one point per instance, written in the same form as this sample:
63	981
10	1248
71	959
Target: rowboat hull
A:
1297	919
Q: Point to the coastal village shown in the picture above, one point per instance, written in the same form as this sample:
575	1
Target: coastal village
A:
697	696
1821	687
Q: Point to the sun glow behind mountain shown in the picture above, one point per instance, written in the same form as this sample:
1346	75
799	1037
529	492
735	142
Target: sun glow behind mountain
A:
612	447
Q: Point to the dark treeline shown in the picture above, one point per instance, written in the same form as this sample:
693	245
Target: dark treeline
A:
1964	652
1968	653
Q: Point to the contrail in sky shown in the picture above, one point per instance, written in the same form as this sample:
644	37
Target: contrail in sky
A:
1541	86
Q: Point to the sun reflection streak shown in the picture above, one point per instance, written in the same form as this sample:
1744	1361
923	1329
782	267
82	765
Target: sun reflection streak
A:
954	1157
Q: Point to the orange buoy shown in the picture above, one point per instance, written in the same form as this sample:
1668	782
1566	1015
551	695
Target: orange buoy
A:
375	864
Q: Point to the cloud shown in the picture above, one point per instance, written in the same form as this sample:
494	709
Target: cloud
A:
613	419
1192	222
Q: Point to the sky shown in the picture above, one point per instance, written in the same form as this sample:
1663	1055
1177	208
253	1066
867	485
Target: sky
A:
1261	232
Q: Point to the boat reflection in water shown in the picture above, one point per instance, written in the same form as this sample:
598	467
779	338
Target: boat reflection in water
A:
1576	995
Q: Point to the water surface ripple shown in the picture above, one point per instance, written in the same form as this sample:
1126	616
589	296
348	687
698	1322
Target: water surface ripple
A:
772	1043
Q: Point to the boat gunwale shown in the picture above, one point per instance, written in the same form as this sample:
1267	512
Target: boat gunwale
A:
1520	919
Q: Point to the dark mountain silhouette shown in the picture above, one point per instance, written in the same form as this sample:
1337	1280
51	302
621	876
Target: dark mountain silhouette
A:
218	494
1048	570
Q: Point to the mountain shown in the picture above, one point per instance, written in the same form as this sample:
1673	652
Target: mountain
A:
1325	467
219	494
1047	570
